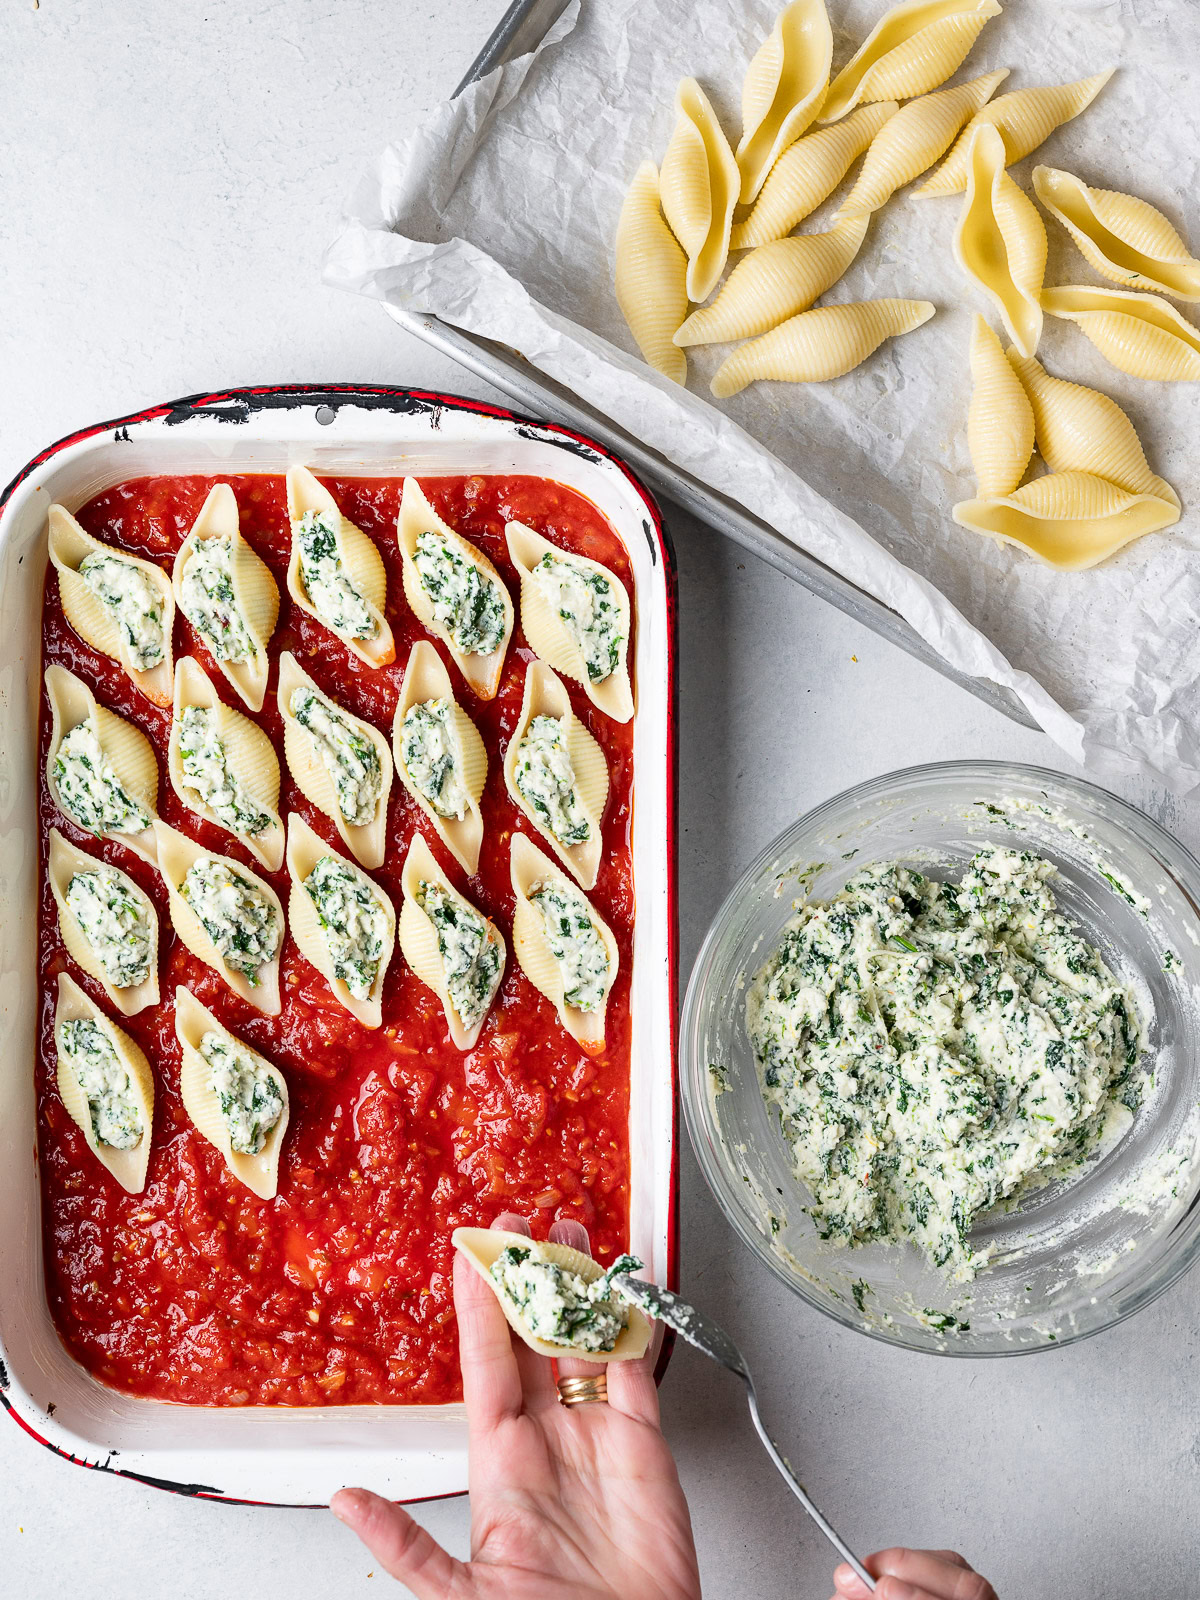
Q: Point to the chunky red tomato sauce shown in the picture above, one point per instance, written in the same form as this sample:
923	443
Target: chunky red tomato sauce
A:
339	1290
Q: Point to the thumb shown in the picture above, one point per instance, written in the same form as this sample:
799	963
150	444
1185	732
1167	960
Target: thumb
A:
401	1545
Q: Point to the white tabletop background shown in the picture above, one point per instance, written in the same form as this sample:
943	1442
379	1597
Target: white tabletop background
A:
170	175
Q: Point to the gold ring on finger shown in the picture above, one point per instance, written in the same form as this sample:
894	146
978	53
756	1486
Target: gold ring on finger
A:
588	1391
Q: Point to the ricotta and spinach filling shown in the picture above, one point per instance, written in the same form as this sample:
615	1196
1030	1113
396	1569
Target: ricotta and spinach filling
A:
209	602
132	602
466	601
586	603
561	1306
105	1081
249	1095
935	1049
349	757
207	773
470	959
353	921
575	944
89	790
429	750
237	916
546	780
332	595
115	923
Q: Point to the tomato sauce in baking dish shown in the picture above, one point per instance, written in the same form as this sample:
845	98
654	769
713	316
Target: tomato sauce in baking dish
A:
338	1291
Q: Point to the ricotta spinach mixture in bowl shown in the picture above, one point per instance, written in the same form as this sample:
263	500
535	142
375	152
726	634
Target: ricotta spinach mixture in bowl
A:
132	602
429	751
249	1096
332	595
105	1081
466	600
586	603
934	1050
561	1306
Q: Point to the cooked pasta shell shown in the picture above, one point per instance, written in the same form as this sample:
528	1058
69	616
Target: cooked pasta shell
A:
546	696
249	755
1000	241
546	634
367	841
127	748
1068	519
417	516
361	563
1141	334
910	50
482	1246
304	849
783	89
1000	419
1126	239
529	867
808	173
819	344
911	141
651	276
68	546
698	186
419	942
426	678
128	1167
176	855
255	592
1025	118
775	282
259	1173
65	861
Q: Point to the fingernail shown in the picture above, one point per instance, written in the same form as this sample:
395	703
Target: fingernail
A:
510	1222
571	1233
346	1504
848	1583
897	1589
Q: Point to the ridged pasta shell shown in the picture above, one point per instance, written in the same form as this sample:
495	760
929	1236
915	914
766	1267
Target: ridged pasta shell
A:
548	638
911	141
65	861
546	696
1000	432
367	842
419	944
910	50
259	1173
1000	241
361	562
68	545
783	89
1025	118
426	678
775	282
482	1246
417	516
128	1167
818	345
176	854
249	754
304	849
808	173
1141	334
1070	520
1127	240
651	276
529	866
255	591
698	185
127	748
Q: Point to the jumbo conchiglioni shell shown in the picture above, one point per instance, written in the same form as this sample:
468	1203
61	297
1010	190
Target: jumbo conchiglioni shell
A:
65	862
176	855
1000	241
818	345
1070	520
650	276
482	1247
528	867
304	849
255	592
911	49
774	282
68	545
366	841
1127	240
783	89
419	943
1141	334
546	696
1025	118
417	516
249	755
193	1021
127	748
1000	433
128	1167
361	562
426	678
698	186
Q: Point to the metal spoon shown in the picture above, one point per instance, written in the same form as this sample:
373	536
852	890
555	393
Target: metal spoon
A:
712	1340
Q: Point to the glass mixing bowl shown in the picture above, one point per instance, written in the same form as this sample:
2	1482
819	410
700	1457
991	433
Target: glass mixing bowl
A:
1073	1257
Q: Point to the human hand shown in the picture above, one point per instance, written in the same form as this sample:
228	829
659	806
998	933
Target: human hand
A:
581	1500
914	1575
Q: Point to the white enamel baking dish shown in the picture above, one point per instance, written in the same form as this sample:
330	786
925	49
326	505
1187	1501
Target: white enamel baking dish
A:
277	1455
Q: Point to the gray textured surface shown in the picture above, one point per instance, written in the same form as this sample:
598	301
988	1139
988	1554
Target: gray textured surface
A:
166	195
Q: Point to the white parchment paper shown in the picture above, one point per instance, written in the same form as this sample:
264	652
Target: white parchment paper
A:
499	213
